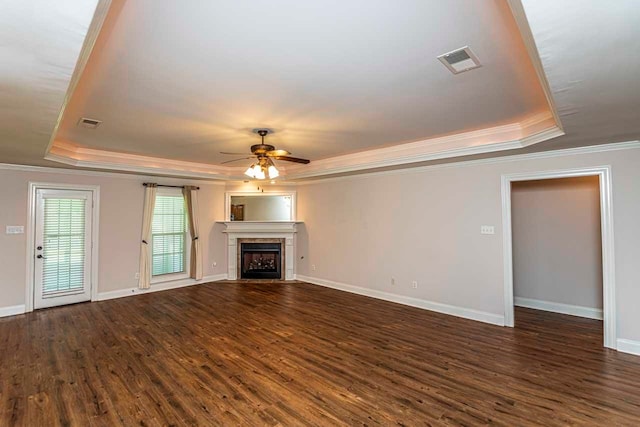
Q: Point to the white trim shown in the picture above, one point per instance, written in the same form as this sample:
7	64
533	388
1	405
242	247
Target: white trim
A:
260	227
466	313
172	277
606	220
129	292
541	136
229	194
264	230
12	310
556	307
592	149
508	137
629	346
73	155
534	129
520	16
120	175
31	224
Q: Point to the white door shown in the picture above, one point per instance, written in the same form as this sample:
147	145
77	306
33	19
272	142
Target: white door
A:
62	247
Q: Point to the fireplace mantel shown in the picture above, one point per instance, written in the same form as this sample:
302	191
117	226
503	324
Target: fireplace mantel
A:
260	226
260	230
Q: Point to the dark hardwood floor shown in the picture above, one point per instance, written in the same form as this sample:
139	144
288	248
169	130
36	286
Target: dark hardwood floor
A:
297	354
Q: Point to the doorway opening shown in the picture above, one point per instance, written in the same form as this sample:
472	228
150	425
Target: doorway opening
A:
62	245
558	250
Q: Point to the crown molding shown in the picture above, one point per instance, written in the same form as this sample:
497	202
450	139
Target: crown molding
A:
536	128
73	155
119	175
532	130
520	16
592	149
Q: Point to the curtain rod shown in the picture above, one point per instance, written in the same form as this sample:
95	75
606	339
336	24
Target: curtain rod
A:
146	184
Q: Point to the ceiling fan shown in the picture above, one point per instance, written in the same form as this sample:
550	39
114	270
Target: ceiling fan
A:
265	167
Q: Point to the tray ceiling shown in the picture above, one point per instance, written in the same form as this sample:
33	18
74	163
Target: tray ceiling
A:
350	85
186	80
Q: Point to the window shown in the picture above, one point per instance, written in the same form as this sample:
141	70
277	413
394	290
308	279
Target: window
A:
170	251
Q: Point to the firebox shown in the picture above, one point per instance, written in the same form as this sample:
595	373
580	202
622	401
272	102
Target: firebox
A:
260	261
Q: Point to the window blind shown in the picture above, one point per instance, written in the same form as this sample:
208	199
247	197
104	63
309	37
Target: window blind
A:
64	251
168	231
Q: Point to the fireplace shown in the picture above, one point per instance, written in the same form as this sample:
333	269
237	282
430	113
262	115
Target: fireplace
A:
260	260
282	232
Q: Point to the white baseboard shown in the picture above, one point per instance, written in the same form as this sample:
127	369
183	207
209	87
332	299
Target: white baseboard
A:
12	310
467	313
556	307
120	293
629	346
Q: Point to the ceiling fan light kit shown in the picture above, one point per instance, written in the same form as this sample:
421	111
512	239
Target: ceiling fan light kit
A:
262	170
265	168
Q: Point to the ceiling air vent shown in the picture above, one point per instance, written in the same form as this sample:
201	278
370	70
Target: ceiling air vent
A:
89	123
460	60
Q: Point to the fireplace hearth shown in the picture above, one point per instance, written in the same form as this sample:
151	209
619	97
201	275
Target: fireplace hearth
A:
260	260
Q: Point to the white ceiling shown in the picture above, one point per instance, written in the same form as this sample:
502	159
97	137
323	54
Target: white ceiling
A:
590	50
185	80
40	41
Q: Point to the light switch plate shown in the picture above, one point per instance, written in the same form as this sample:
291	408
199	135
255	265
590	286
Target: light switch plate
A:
15	229
487	229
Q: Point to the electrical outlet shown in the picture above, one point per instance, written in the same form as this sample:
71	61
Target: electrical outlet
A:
393	281
137	276
414	284
313	267
487	229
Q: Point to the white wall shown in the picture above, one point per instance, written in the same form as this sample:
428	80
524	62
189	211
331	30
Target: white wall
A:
424	225
557	244
120	227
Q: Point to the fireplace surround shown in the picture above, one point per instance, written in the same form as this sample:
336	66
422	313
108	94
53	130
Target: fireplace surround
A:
239	232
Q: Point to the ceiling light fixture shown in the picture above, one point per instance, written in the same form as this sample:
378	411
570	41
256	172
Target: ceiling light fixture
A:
265	168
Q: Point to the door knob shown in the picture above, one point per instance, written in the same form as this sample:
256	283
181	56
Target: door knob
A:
40	257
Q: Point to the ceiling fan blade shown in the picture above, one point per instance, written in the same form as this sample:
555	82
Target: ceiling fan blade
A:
234	154
292	159
236	160
276	153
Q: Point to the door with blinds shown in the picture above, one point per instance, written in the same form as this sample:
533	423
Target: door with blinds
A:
62	247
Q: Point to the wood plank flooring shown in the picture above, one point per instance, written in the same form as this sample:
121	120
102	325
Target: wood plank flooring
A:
297	354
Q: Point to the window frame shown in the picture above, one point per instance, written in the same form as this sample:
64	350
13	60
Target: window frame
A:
170	277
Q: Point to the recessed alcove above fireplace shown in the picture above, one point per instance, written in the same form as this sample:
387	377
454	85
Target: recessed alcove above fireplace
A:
264	233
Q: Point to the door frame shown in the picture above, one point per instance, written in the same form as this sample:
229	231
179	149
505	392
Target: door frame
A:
31	226
606	226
